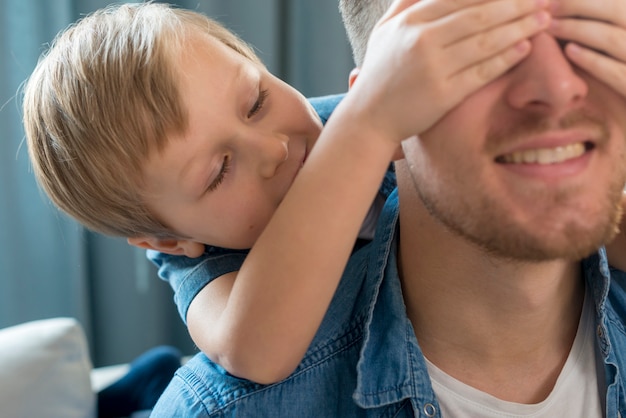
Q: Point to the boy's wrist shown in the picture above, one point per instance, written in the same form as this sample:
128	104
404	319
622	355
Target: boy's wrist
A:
364	124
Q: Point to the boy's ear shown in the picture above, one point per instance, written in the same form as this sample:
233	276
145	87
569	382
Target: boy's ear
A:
354	74
191	249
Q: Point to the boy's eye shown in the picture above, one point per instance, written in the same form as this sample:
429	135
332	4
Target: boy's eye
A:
258	105
222	174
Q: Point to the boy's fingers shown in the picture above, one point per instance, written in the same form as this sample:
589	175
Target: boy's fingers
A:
603	10
595	33
481	20
488	70
604	37
431	10
397	7
481	46
602	67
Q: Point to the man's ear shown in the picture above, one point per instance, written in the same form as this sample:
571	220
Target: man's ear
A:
191	249
354	74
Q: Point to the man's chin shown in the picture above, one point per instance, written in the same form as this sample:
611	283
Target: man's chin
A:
573	243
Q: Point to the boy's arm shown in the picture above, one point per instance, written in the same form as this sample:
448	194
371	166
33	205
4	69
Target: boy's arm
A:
263	318
260	325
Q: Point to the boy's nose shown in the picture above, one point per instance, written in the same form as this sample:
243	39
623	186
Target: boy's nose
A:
545	81
270	150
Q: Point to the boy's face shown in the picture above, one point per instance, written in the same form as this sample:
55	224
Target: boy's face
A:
531	166
249	134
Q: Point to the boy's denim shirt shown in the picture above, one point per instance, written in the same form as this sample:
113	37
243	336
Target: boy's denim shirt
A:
365	360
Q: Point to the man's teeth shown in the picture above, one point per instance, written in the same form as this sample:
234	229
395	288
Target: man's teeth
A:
545	155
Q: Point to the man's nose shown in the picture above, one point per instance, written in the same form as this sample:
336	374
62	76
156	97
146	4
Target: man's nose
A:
268	150
546	81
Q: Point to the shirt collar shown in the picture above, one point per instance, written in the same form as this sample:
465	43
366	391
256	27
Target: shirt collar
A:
598	278
391	366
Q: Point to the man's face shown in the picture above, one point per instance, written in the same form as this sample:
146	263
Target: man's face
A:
530	167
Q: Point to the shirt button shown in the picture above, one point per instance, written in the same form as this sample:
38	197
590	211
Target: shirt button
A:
430	410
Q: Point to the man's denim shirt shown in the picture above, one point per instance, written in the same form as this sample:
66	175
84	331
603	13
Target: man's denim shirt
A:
365	360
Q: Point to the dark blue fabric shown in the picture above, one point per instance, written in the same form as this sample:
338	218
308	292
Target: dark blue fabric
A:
140	388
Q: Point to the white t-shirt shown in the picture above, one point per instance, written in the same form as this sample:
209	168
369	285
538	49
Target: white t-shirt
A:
371	219
575	395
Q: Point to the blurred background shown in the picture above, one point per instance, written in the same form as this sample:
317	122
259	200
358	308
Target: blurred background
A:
49	265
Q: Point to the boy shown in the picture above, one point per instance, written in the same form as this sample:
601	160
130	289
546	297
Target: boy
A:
159	125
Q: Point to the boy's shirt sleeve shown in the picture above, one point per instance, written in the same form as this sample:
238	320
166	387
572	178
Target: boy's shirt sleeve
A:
187	276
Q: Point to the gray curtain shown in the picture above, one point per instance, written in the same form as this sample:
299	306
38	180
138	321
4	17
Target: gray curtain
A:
49	265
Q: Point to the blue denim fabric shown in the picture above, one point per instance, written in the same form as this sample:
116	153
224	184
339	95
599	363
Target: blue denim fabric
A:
609	291
365	360
187	276
324	383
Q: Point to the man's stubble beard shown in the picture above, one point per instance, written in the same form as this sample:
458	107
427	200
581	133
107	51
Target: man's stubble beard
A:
486	225
482	219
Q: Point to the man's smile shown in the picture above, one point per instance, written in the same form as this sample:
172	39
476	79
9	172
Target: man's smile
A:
545	156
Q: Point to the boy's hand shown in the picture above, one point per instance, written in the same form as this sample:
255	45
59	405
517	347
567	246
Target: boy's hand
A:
424	57
597	31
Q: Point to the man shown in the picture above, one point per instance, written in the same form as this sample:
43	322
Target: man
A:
482	291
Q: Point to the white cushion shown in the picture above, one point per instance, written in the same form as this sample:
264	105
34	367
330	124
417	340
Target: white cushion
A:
103	377
44	371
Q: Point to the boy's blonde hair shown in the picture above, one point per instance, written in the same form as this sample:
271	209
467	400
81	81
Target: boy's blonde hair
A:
104	97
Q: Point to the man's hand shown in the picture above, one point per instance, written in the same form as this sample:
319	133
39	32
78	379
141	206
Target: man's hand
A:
596	35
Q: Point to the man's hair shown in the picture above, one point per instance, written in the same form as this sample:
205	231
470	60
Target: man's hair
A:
101	100
359	18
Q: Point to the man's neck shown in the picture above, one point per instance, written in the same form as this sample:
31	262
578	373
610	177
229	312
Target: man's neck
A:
503	327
